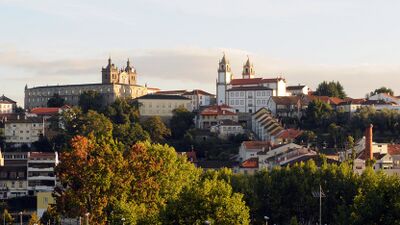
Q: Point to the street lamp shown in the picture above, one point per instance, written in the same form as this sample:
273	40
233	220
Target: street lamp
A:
20	218
266	218
87	218
207	222
123	220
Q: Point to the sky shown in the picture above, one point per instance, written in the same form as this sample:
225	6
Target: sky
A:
176	44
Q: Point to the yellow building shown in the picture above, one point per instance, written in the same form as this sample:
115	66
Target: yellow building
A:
44	199
162	105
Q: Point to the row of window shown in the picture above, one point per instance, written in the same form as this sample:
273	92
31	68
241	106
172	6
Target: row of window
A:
242	93
249	102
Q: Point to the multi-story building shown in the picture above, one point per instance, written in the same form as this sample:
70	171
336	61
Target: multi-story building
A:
24	130
199	98
227	128
7	105
385	97
287	106
13	175
162	105
247	94
213	115
264	125
41	175
116	83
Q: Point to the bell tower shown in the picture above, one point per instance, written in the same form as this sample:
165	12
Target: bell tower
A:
131	71
109	74
224	78
248	70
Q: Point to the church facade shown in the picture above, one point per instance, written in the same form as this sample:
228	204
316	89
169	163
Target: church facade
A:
116	83
247	94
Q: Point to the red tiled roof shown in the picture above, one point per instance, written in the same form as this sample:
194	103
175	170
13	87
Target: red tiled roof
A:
289	133
394	149
197	92
257	144
4	99
171	92
45	110
327	99
286	100
217	110
250	163
250	81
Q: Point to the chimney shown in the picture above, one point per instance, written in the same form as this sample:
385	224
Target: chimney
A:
368	143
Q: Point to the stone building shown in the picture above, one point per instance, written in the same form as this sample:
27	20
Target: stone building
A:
116	83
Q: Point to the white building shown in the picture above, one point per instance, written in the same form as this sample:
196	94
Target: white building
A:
41	175
24	130
162	105
264	125
7	105
213	115
199	98
297	90
385	97
248	93
227	128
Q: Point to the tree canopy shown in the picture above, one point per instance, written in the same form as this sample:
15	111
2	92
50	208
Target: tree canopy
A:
56	101
331	89
382	90
90	100
181	122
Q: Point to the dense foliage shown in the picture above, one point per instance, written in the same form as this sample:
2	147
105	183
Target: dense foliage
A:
331	89
56	101
384	90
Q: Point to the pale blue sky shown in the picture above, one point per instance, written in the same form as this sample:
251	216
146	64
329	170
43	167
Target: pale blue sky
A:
177	43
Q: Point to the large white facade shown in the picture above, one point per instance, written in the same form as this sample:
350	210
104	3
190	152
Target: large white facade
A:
247	94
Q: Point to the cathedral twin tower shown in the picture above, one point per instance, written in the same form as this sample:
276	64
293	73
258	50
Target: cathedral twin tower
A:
111	74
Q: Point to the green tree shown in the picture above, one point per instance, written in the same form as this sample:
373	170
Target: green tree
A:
156	129
382	90
123	111
318	114
181	121
91	100
129	134
56	101
6	217
210	199
331	89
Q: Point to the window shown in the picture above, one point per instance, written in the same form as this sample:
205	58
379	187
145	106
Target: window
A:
237	94
232	102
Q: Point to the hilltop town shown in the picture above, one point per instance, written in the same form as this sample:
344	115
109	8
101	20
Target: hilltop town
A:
250	125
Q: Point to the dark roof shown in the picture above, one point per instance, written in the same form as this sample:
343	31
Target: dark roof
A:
197	92
79	85
4	99
286	100
23	119
297	87
249	88
158	96
229	123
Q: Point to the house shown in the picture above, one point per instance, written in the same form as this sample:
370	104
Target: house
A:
264	125
213	115
297	90
385	97
381	105
227	128
249	149
24	130
7	106
351	105
287	106
332	101
199	98
162	105
286	136
249	166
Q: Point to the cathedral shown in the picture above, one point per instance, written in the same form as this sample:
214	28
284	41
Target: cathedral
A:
248	93
116	83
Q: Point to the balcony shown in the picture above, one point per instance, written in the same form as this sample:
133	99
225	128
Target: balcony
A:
33	169
42	178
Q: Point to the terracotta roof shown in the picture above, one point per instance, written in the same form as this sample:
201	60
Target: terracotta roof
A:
4	99
257	144
289	133
42	154
394	149
197	92
250	163
251	81
217	110
327	99
45	110
286	100
356	101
